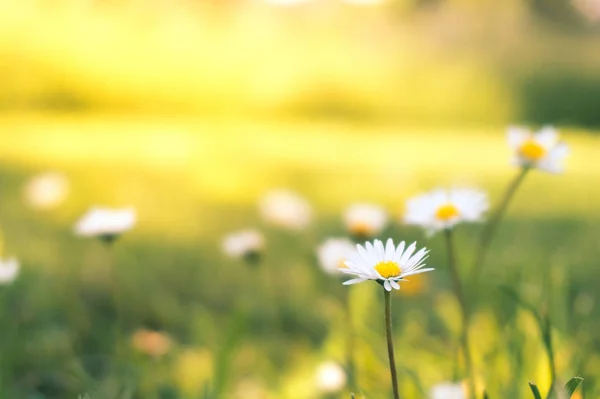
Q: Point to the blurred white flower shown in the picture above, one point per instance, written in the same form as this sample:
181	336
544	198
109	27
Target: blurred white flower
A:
331	377
244	244
387	265
365	220
540	150
333	253
46	190
9	269
588	8
285	209
442	209
105	223
448	390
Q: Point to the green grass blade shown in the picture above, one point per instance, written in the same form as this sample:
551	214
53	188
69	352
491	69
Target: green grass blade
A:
572	385
535	390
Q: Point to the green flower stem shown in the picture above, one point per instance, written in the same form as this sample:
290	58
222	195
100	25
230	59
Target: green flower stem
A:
460	296
547	335
350	365
490	227
390	341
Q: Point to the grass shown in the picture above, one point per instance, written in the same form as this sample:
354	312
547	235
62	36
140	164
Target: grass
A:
262	332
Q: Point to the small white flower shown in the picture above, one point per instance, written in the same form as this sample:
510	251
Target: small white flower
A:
442	209
333	253
46	191
448	390
331	377
540	150
285	209
105	223
243	243
365	220
386	265
9	269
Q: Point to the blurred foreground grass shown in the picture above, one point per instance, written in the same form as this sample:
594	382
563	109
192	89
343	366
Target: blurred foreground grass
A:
261	333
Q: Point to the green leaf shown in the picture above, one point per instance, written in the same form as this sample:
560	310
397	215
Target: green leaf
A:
572	385
535	390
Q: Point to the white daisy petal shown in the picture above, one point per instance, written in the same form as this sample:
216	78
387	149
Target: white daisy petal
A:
387	285
354	281
394	284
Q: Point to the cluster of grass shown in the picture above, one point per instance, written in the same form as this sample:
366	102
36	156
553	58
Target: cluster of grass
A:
240	332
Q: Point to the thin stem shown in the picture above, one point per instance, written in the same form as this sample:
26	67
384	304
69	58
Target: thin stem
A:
460	296
490	227
547	334
390	341
350	366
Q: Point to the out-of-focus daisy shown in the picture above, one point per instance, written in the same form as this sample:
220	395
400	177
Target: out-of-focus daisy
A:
105	223
330	378
442	209
365	220
386	265
541	150
588	8
285	209
448	390
247	244
333	253
9	269
152	343
46	190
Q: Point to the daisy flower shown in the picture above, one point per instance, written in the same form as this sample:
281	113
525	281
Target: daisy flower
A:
448	390
442	209
247	244
9	269
105	223
365	220
47	190
386	265
540	150
333	253
285	209
330	377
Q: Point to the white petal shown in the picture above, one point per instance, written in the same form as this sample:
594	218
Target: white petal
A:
354	281
390	249
547	137
387	285
516	136
406	255
394	284
417	271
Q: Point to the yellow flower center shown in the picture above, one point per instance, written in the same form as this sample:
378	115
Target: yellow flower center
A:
532	150
447	212
341	264
388	268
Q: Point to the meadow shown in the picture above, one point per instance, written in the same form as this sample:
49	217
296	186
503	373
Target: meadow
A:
236	330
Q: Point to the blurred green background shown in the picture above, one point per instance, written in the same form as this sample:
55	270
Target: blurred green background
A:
191	111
